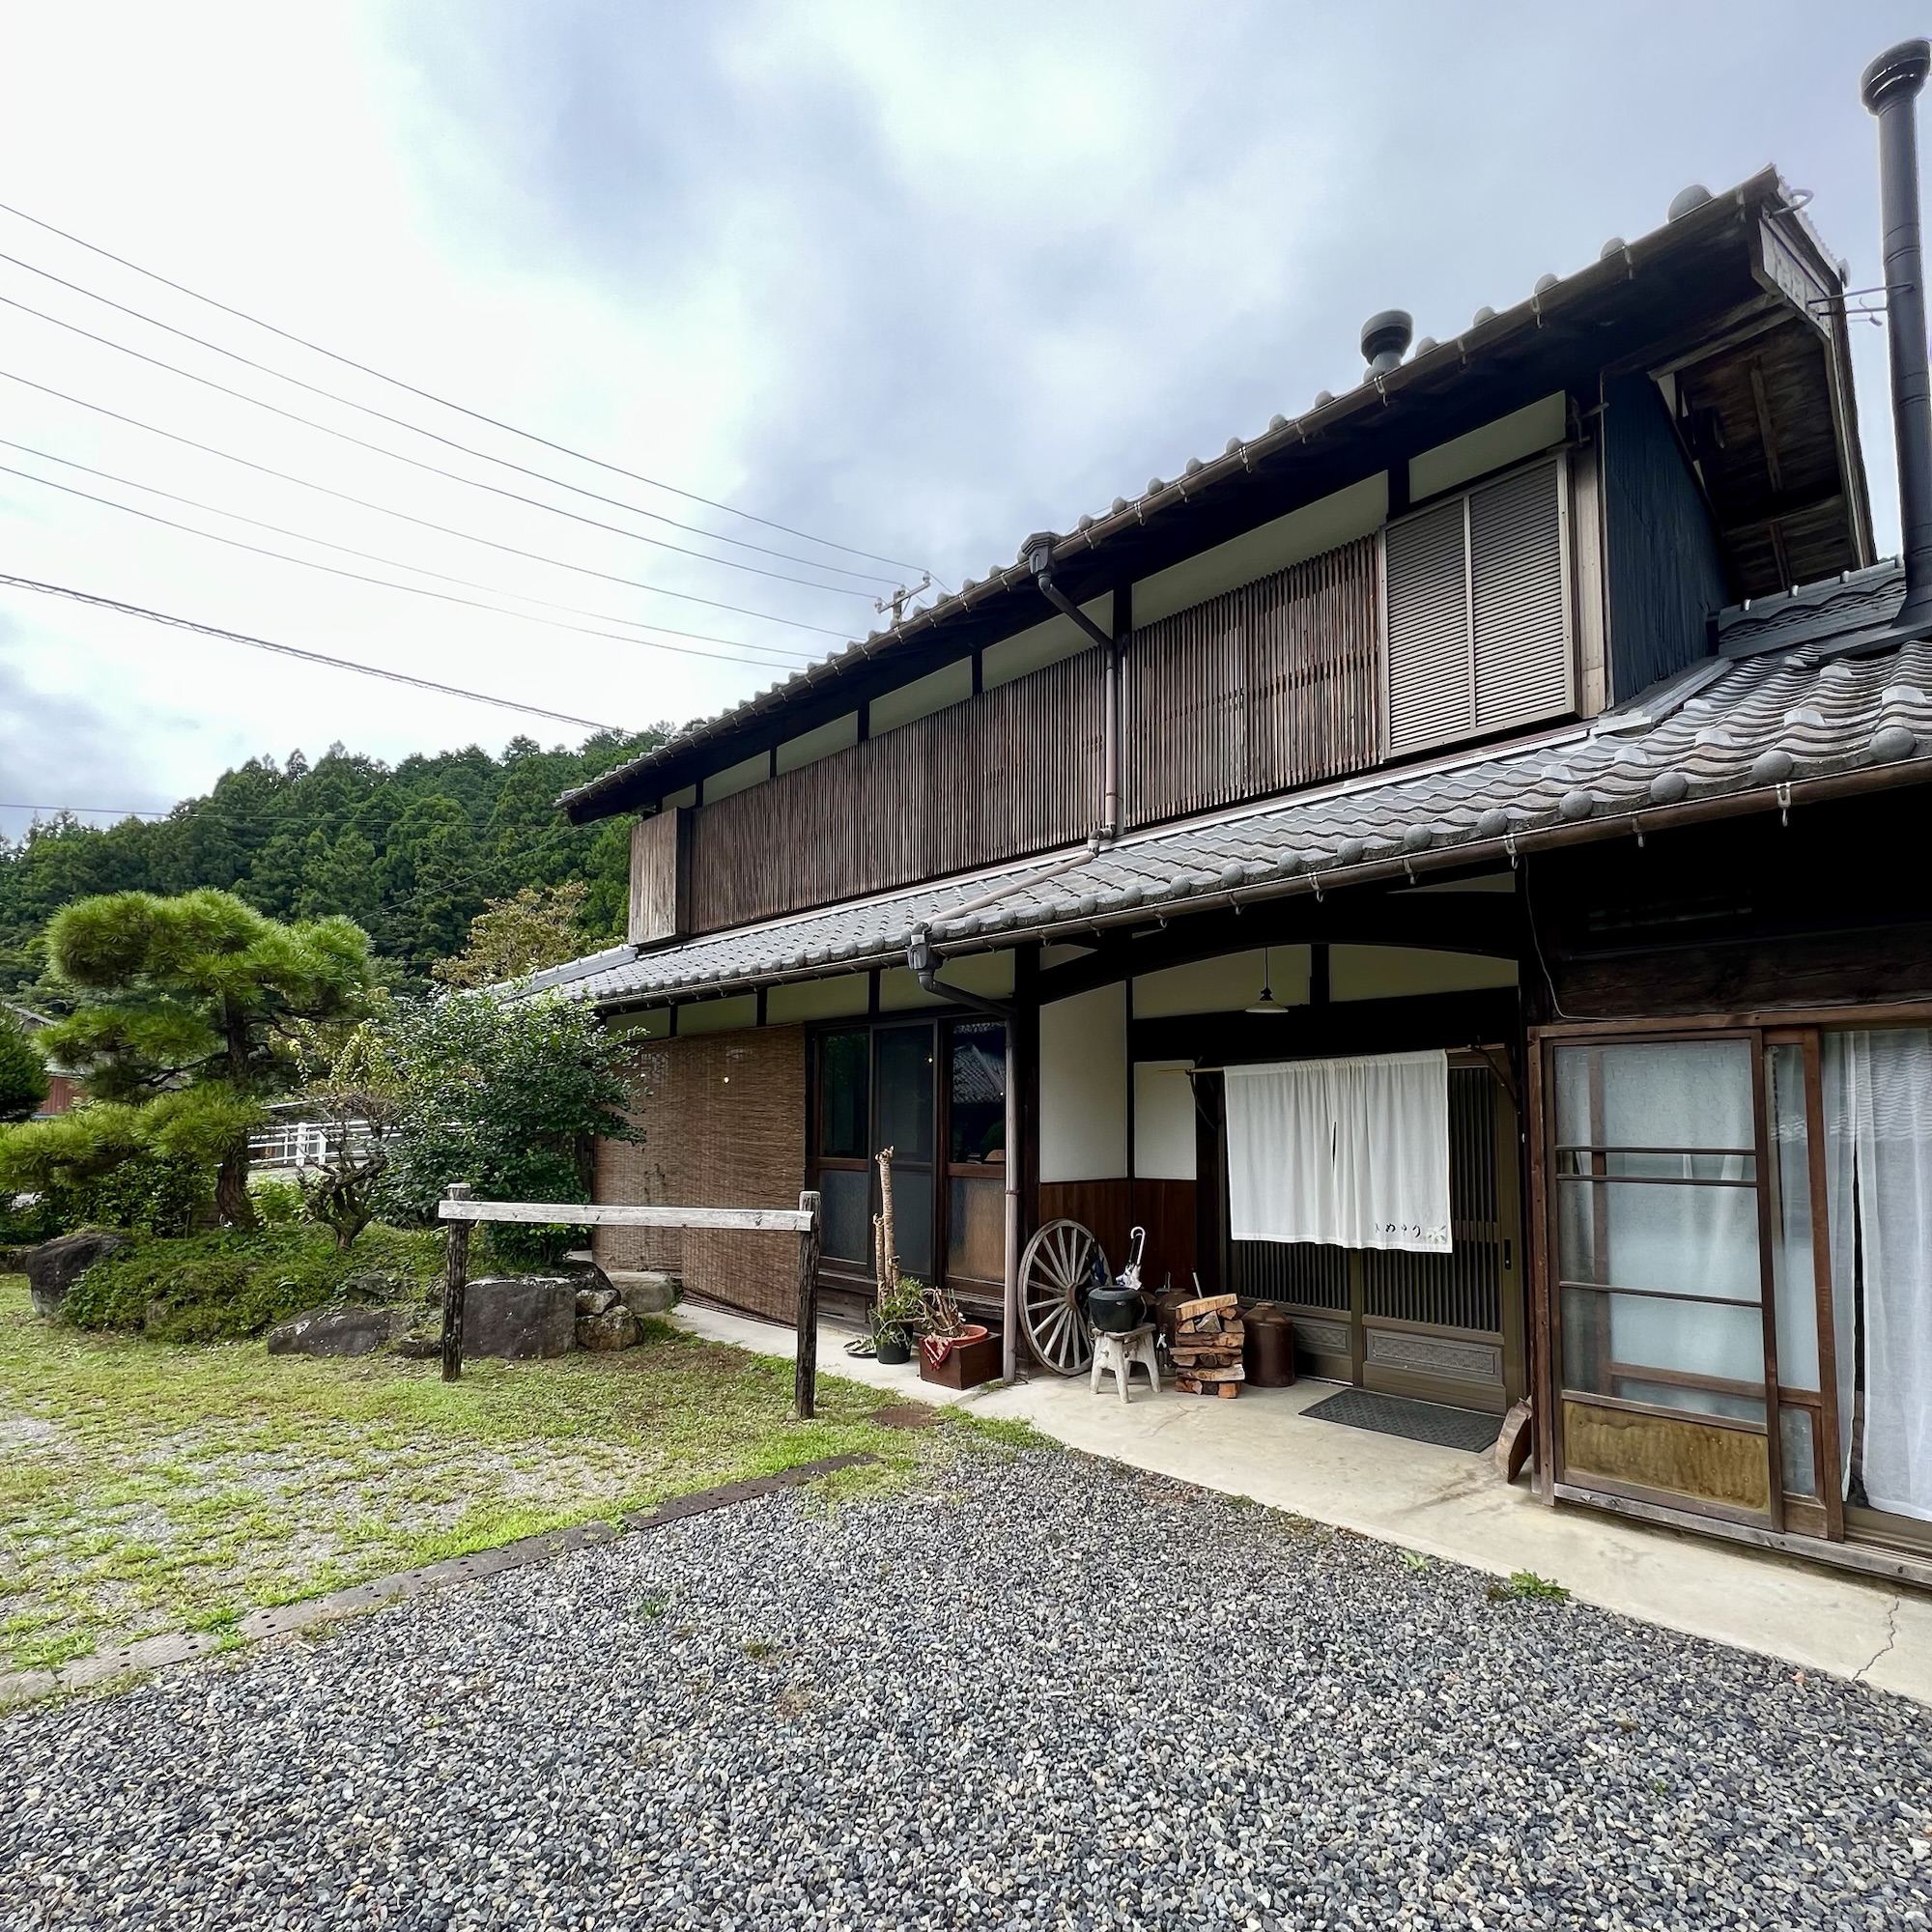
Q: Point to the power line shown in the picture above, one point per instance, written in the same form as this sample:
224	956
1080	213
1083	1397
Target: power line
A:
99	603
466	449
442	402
772	659
402	516
455	476
381	582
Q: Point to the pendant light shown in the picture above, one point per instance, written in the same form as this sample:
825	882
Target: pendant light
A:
1268	1003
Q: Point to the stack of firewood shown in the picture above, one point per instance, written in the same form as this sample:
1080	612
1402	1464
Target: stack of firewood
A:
1206	1347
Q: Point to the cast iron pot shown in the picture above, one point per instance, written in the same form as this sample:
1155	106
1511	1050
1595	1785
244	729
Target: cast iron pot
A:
1112	1307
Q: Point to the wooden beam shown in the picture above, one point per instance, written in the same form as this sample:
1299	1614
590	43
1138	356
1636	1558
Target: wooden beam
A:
455	1284
1348	1026
1488	924
610	1215
804	1368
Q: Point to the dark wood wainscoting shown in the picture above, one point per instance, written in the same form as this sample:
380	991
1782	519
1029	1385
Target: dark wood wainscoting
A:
1113	1209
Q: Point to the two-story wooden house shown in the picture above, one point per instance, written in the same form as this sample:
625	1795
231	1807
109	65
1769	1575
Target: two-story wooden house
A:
1471	718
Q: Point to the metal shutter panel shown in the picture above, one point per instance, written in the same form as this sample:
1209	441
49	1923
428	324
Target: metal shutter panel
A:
1518	597
1429	690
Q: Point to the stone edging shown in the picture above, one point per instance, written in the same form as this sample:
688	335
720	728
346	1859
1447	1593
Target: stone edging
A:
181	1647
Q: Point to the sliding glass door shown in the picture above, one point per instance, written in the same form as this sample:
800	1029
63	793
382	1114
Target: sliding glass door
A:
1740	1283
934	1093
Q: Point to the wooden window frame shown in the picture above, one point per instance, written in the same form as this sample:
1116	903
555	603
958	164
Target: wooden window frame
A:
1827	1517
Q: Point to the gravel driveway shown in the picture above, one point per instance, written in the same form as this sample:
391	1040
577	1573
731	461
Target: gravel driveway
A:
1051	1692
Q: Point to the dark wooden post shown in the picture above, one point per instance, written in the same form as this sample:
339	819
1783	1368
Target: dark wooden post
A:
454	1282
804	1376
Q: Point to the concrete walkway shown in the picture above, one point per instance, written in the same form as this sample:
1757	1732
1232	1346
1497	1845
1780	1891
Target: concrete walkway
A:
1443	1502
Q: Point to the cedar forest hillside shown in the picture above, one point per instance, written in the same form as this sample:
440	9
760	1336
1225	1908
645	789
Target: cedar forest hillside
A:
410	852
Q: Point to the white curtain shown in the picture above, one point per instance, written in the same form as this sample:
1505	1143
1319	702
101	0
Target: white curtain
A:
1878	1121
1352	1153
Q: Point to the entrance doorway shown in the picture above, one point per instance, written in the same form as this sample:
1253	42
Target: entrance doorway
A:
1443	1328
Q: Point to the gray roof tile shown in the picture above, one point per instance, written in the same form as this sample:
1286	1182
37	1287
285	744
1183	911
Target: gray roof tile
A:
1731	726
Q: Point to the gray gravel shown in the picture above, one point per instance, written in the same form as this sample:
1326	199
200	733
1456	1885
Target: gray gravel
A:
1051	1693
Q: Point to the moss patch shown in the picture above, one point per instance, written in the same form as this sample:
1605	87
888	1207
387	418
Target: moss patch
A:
149	1487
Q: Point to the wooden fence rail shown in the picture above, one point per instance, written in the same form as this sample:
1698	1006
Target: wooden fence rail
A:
459	1209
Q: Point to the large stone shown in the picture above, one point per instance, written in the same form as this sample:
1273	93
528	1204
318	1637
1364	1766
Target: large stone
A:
519	1318
645	1291
615	1329
339	1331
54	1266
595	1300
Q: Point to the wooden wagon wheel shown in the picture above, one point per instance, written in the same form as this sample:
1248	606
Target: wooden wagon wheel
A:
1054	1272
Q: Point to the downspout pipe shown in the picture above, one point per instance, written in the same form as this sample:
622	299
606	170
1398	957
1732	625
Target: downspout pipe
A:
1890	89
925	970
1037	552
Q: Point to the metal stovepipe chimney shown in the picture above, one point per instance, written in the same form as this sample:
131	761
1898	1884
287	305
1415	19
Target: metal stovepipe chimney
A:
1889	88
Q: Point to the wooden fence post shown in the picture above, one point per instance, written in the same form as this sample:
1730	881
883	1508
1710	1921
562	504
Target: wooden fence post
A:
804	1376
455	1281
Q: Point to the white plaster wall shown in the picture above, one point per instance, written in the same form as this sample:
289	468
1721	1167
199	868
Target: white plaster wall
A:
1224	985
1083	1086
1163	1121
1394	972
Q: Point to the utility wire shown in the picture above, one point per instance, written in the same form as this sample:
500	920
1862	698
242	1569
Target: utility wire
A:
99	603
385	510
773	658
456	476
475	415
469	449
381	582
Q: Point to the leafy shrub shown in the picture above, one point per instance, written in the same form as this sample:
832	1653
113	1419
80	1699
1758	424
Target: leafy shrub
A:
506	1095
277	1200
230	1283
150	1169
23	1074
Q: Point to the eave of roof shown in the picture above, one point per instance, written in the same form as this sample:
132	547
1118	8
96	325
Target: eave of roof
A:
1434	373
1726	737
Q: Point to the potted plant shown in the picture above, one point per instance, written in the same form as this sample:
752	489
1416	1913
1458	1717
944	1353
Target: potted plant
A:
897	1318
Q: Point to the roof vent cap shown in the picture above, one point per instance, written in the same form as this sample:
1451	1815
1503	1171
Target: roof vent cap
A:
1385	339
1685	199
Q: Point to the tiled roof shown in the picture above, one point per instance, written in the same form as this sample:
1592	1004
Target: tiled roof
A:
1284	438
1724	729
1829	612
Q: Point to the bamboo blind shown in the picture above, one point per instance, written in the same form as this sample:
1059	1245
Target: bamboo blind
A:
1269	686
1013	771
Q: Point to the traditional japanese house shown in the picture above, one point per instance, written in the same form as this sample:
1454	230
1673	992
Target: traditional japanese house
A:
1525	742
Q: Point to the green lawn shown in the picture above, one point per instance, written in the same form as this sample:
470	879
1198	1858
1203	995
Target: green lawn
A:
148	1487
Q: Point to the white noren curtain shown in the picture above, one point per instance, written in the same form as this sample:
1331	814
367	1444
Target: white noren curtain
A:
1352	1153
1878	1124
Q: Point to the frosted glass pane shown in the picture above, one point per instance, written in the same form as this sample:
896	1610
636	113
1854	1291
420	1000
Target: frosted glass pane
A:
1609	1340
1675	1093
976	1230
845	1211
1800	1464
1792	1268
1658	1235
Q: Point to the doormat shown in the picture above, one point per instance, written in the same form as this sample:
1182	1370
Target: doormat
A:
1414	1421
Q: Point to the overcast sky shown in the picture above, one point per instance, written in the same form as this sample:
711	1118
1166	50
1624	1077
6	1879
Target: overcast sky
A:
908	278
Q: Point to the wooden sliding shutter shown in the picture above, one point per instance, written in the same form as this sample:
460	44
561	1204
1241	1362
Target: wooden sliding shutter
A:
1479	627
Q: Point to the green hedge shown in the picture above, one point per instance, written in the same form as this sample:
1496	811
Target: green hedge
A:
232	1283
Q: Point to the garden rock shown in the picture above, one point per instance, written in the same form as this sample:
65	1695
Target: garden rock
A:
518	1318
373	1286
647	1290
338	1332
595	1300
612	1329
54	1266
